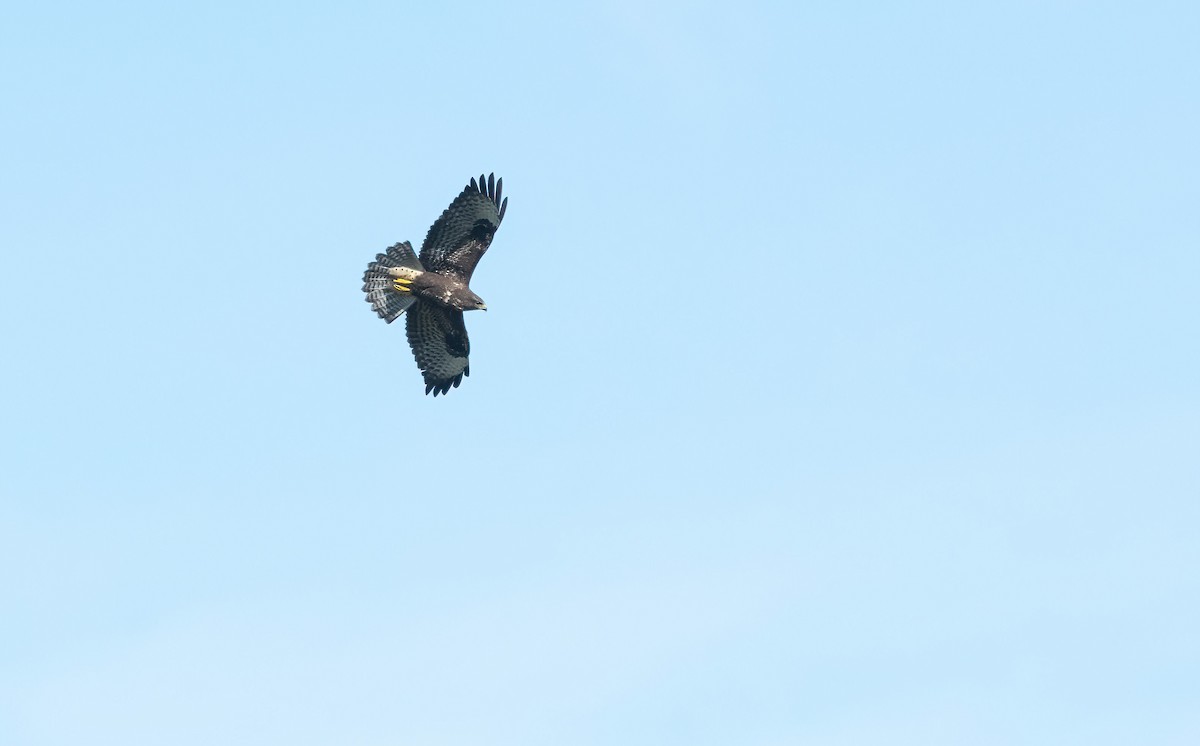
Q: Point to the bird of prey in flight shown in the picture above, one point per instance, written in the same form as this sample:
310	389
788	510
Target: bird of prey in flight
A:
433	287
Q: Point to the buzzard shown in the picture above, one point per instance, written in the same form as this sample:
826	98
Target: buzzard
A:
433	287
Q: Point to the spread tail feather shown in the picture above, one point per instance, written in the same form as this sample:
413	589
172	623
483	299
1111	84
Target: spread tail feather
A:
377	283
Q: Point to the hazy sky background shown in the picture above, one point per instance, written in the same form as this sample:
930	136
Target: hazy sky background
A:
840	383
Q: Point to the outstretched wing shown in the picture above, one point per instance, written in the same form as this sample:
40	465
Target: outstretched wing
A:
439	342
457	240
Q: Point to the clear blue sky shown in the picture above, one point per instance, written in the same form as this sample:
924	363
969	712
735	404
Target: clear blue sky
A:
840	383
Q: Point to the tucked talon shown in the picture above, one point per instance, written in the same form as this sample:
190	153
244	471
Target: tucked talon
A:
400	284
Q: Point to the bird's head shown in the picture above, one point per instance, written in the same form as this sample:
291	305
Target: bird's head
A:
467	300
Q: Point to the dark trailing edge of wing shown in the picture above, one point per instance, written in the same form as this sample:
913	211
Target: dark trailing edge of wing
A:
493	188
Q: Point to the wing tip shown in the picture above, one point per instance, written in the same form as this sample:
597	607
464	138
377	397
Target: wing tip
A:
491	187
442	386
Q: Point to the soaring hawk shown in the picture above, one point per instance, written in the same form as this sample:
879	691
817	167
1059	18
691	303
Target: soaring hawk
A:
433	287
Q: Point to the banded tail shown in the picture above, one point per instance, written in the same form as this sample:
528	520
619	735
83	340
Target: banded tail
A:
378	284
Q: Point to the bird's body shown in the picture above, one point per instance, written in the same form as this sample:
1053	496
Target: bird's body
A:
445	290
434	288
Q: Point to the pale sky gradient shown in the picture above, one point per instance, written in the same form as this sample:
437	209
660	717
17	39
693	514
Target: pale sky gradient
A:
840	383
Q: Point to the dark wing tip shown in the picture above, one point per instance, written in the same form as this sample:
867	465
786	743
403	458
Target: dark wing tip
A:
442	387
490	187
503	207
